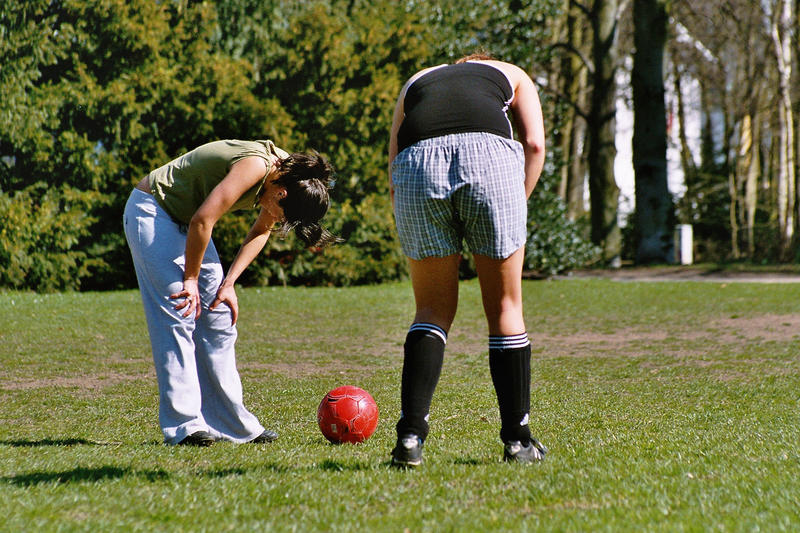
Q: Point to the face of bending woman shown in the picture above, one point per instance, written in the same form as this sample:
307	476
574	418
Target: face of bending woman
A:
270	200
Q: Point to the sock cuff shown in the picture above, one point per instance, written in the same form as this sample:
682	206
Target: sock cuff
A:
427	328
509	342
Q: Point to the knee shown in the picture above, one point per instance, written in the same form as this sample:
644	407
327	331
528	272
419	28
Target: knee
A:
505	318
507	305
441	317
219	321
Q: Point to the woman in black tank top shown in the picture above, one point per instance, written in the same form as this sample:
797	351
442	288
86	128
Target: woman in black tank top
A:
457	174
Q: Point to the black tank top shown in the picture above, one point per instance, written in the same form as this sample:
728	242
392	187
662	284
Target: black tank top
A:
466	97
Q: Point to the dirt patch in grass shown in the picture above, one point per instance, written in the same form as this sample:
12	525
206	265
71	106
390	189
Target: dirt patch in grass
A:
634	341
688	345
788	274
763	327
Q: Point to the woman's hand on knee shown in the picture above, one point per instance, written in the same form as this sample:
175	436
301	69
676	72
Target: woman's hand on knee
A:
227	296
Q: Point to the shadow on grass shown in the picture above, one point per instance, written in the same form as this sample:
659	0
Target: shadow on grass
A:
338	466
78	475
103	473
53	442
466	461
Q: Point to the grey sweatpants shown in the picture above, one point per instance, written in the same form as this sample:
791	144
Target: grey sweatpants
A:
199	385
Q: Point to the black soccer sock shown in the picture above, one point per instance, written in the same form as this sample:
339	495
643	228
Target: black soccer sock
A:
510	366
422	365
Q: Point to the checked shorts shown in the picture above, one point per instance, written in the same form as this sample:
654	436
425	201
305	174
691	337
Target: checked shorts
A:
463	186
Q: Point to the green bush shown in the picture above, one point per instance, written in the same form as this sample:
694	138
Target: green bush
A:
555	243
42	236
97	94
370	252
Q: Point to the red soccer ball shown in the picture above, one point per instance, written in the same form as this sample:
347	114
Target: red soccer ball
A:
347	414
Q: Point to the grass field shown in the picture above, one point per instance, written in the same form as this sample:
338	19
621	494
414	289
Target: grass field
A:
665	406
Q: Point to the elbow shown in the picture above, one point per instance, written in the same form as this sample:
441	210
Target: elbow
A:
533	145
202	224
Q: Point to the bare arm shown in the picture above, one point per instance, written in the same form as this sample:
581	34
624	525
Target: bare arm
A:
253	243
527	112
242	176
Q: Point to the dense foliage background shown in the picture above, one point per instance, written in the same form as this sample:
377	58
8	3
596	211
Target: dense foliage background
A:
95	94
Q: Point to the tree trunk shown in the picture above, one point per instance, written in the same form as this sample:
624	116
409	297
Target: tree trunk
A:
749	159
573	73
565	76
687	160
733	211
781	38
654	220
737	172
577	173
795	82
601	124
751	184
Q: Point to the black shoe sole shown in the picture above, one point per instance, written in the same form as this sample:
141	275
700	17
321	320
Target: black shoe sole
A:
405	465
203	441
266	437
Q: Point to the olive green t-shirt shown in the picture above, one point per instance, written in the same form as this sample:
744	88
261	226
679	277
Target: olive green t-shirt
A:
183	184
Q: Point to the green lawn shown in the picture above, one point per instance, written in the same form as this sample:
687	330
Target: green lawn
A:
665	406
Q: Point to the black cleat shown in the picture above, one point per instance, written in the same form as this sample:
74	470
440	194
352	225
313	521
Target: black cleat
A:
408	452
198	438
267	436
515	452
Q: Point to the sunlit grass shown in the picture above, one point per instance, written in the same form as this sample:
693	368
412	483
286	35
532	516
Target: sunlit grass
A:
666	407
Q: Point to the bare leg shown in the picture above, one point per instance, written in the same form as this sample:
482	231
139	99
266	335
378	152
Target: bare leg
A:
501	290
509	351
435	282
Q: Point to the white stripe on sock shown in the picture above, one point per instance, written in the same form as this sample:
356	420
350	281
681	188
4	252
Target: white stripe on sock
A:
429	328
498	342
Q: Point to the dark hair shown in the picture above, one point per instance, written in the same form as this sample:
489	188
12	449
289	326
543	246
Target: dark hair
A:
306	178
478	55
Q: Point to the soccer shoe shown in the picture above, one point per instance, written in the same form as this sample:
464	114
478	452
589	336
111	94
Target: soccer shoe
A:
515	452
198	438
267	436
408	452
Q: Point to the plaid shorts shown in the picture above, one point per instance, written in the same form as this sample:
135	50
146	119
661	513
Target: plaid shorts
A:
464	186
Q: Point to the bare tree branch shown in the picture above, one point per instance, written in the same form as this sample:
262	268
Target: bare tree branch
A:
585	9
570	48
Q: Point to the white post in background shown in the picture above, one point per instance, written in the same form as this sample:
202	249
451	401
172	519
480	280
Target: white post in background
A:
684	244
